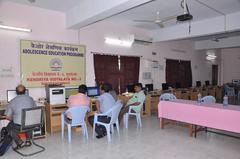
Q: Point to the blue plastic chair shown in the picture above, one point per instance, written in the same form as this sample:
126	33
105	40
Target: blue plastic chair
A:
78	114
208	99
167	96
113	113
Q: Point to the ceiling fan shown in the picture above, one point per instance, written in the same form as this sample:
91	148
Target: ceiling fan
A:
182	17
157	20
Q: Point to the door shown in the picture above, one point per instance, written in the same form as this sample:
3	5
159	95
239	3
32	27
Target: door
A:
214	74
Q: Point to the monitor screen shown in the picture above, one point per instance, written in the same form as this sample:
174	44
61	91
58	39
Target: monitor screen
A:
93	91
207	83
178	85
130	88
149	87
164	86
198	83
12	94
70	91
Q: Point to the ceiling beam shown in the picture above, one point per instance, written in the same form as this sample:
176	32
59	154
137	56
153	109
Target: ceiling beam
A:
92	11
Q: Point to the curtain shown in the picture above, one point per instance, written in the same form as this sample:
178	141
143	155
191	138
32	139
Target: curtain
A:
106	70
129	72
178	73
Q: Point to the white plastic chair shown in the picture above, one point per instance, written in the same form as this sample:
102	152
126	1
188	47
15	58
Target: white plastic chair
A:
208	99
167	96
78	114
136	114
230	92
113	113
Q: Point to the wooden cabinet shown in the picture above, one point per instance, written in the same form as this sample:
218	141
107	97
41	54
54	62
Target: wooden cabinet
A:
154	103
53	117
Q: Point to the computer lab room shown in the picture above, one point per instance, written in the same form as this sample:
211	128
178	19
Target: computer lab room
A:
120	79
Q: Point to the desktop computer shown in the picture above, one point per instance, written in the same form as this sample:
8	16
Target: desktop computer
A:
12	94
93	91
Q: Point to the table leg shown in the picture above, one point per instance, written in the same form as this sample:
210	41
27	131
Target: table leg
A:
190	128
162	123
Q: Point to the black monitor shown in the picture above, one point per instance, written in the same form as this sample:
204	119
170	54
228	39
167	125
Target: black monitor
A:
93	91
164	86
207	83
12	94
178	85
70	91
198	83
130	88
149	87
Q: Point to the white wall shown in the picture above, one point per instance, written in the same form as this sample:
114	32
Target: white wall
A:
231	64
46	26
50	26
93	38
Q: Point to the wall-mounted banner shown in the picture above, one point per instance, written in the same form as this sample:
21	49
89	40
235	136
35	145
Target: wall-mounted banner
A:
51	63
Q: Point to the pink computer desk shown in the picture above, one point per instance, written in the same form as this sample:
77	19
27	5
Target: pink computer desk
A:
208	115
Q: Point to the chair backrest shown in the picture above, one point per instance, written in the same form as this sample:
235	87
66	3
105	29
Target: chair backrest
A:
208	99
229	91
78	114
114	112
167	96
32	118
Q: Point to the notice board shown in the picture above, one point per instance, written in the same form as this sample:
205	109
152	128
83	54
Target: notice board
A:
45	63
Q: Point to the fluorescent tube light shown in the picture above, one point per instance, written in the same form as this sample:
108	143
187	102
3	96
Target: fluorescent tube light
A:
210	58
118	42
213	56
15	28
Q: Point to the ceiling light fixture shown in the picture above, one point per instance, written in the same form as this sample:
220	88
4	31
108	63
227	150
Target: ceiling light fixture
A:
211	55
15	28
113	41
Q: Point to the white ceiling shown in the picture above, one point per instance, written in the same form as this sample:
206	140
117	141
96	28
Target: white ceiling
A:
148	11
57	5
208	16
168	8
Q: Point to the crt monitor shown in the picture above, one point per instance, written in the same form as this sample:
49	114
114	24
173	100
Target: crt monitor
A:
207	83
198	83
149	87
93	91
12	94
70	91
164	86
130	87
178	85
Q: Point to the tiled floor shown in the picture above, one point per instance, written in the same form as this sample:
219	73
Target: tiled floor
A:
149	142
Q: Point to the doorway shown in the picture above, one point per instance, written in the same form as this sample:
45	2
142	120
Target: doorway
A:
214	74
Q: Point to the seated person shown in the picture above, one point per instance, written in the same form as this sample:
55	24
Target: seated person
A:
136	100
80	99
14	114
103	103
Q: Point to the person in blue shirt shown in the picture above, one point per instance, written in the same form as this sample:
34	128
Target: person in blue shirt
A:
103	103
14	115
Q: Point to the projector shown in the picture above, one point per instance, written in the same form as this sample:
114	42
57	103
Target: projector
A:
184	17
